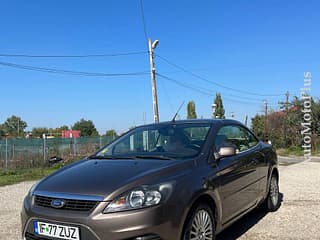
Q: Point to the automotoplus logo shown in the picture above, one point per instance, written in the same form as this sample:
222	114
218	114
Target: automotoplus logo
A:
307	115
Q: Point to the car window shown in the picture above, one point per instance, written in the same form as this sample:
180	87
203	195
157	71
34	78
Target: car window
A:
172	141
235	136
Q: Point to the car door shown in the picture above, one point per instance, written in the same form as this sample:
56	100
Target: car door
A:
238	175
259	162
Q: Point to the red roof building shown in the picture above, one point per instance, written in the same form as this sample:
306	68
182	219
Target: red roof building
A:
70	134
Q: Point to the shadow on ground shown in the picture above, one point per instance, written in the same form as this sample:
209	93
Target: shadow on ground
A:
241	226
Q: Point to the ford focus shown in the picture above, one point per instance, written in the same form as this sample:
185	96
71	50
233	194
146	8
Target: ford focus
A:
173	180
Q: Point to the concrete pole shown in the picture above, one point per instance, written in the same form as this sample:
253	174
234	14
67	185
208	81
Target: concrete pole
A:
266	122
286	120
44	147
6	152
213	110
153	80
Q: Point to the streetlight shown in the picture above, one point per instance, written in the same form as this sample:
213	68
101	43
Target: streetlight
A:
152	46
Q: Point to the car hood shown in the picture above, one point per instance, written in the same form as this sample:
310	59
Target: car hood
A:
102	177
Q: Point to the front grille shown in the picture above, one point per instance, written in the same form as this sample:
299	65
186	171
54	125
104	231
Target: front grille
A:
30	236
70	204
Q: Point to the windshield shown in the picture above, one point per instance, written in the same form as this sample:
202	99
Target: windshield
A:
158	141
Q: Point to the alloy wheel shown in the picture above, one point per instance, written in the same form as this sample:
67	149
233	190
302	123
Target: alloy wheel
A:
274	191
202	227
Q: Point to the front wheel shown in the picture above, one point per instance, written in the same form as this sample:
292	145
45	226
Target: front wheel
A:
273	200
201	225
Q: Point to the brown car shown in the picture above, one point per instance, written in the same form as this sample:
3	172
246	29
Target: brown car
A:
173	180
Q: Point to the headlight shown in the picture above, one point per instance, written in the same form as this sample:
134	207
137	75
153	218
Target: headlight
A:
145	196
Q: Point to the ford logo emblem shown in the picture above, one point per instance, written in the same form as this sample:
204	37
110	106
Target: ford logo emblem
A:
57	203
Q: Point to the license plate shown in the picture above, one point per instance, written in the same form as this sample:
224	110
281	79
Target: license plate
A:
56	230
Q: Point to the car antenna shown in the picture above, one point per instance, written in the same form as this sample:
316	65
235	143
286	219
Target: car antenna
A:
174	118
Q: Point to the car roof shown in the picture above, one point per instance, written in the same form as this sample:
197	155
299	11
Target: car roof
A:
197	121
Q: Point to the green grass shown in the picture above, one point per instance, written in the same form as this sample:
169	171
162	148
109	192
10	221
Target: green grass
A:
292	151
295	151
8	177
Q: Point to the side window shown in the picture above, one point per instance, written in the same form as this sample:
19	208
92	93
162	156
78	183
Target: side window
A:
252	140
235	136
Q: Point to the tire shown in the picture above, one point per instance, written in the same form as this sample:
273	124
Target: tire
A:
272	203
201	225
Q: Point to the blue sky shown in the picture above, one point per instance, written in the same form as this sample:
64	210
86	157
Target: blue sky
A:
254	46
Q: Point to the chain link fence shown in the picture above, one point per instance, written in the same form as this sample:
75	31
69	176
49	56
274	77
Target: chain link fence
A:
30	153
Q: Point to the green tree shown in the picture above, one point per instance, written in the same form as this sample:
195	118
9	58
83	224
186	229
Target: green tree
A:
86	127
191	109
37	132
15	126
316	125
219	110
63	127
315	109
257	125
57	131
2	130
111	133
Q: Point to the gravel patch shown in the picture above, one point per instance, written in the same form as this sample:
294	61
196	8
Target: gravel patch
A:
11	198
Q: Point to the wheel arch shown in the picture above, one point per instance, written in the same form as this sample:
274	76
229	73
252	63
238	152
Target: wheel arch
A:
204	198
276	172
273	170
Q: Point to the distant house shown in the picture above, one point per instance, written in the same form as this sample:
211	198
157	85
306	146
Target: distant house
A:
70	134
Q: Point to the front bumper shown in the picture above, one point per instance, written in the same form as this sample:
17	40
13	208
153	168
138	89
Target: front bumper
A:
144	224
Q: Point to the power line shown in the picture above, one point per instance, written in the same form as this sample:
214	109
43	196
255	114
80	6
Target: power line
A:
206	92
167	95
231	95
74	56
69	72
212	82
143	21
185	85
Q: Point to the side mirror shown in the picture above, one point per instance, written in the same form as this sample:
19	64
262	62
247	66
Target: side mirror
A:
227	151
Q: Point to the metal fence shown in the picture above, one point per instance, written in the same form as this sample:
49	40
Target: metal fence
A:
28	153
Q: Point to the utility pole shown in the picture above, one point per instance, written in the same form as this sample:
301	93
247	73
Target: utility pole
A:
246	120
266	121
287	101
6	163
44	147
18	128
214	110
286	120
152	46
144	117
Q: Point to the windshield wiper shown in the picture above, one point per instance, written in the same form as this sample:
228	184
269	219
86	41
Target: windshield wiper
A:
161	157
109	157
